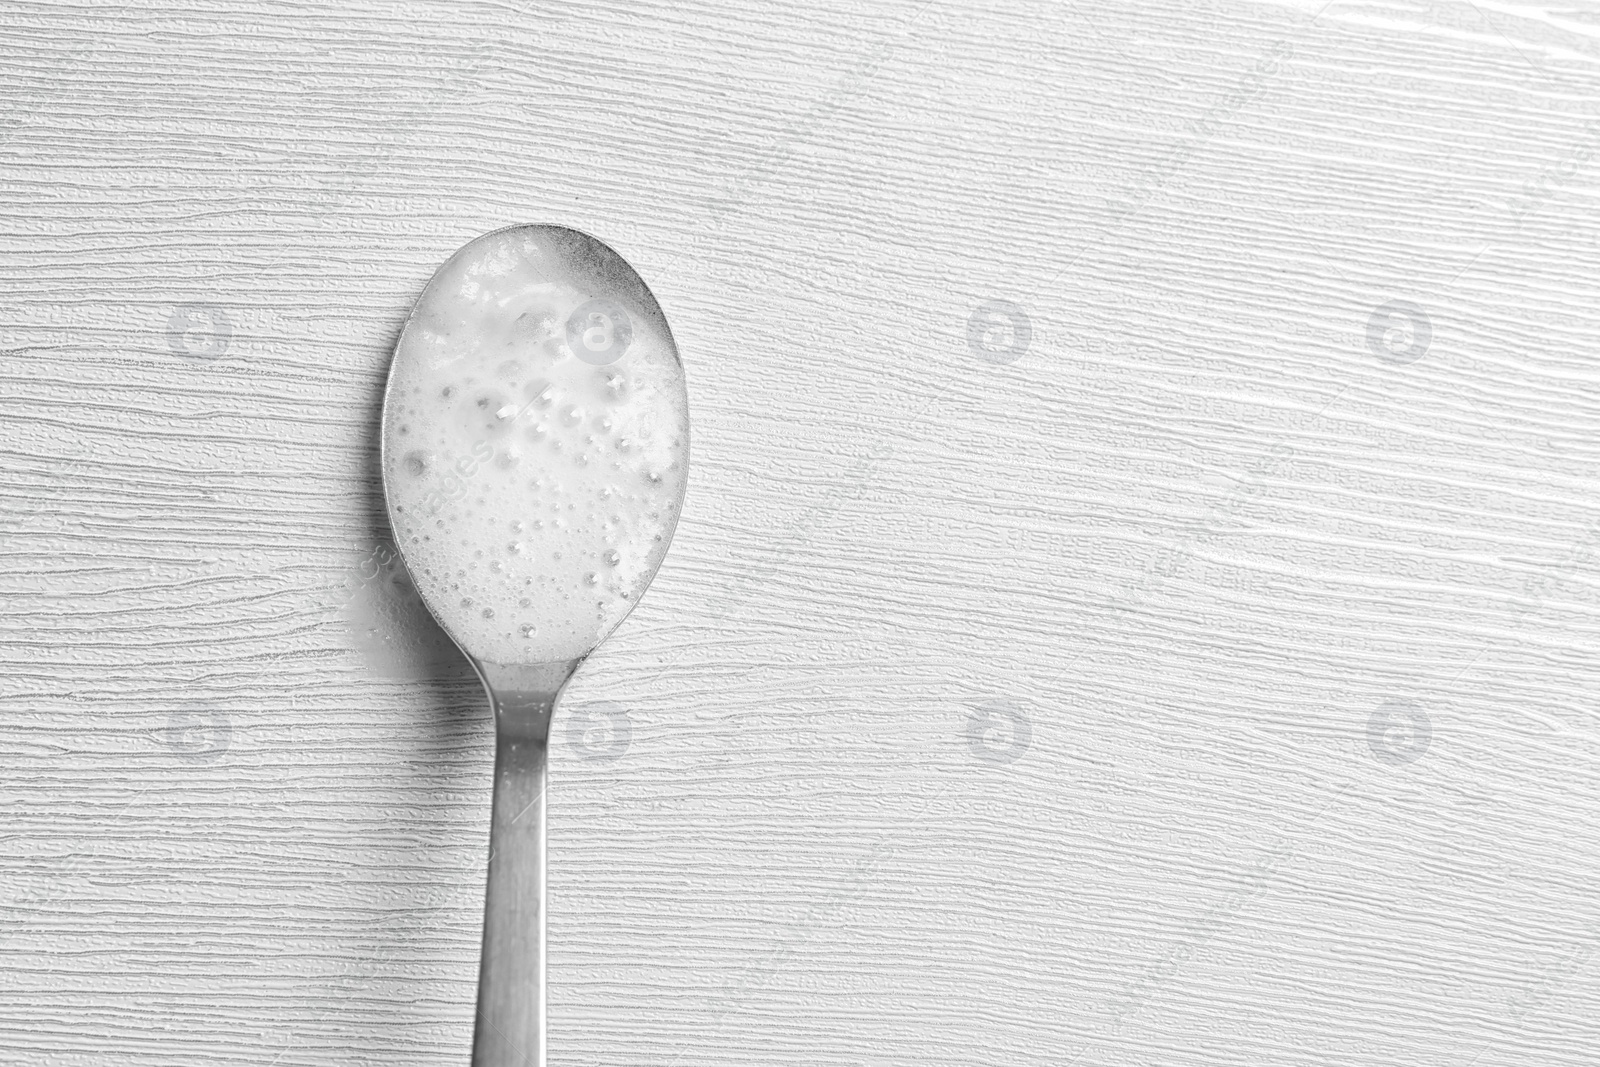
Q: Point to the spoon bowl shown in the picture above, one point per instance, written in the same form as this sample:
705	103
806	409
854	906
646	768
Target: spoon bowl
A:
535	449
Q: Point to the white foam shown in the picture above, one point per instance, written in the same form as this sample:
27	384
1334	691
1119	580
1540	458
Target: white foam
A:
533	492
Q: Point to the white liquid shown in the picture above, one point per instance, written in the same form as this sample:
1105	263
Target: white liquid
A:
533	492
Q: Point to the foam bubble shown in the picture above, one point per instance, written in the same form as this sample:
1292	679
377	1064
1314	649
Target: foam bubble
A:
564	472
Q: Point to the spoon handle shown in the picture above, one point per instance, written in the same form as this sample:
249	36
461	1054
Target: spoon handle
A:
511	986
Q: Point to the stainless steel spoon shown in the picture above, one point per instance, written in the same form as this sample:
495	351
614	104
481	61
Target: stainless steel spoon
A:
536	362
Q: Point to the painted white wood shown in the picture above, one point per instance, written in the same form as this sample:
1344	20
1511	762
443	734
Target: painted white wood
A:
1209	679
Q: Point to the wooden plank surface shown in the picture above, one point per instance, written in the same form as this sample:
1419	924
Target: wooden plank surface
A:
1137	596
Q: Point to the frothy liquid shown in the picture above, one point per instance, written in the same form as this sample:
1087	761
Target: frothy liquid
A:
536	444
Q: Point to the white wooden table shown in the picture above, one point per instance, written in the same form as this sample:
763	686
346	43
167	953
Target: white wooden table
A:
1138	594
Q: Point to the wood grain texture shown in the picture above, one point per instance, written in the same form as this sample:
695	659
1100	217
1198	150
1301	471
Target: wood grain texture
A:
1204	674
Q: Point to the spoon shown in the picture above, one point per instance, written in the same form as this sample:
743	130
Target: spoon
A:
535	454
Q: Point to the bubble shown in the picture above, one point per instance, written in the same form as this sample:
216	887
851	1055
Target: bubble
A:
532	326
487	414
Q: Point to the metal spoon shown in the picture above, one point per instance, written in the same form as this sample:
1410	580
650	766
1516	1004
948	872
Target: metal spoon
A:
536	377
